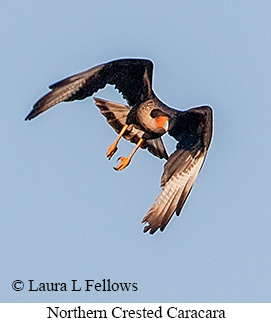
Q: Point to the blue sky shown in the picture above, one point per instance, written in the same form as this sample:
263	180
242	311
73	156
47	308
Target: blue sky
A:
66	214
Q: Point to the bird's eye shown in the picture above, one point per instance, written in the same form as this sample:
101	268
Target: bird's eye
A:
156	113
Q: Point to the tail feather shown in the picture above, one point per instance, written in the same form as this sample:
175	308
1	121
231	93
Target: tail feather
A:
116	115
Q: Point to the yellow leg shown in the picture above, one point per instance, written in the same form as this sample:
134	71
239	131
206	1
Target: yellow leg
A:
113	148
125	161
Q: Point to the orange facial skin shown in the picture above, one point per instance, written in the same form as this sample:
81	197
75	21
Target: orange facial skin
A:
160	121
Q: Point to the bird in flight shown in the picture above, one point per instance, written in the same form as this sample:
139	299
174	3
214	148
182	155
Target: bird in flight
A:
143	121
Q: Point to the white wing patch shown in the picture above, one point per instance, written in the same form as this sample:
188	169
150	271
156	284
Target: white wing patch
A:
174	191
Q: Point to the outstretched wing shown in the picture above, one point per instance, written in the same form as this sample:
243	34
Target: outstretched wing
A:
116	115
193	130
132	77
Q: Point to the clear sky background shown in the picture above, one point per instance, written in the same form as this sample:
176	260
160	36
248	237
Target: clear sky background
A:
66	214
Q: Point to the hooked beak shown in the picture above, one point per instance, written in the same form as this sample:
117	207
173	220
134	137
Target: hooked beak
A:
166	125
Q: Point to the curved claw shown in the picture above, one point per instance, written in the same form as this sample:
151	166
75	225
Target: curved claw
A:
111	151
124	163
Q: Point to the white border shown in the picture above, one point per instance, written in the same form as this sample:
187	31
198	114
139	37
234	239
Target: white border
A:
39	312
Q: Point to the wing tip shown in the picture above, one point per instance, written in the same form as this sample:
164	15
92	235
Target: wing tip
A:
37	109
151	227
30	116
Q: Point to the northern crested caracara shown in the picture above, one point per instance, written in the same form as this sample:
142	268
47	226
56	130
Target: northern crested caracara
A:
143	122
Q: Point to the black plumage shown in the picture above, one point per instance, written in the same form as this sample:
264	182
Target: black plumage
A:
143	122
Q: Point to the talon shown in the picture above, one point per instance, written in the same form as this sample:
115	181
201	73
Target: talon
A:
111	151
124	163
